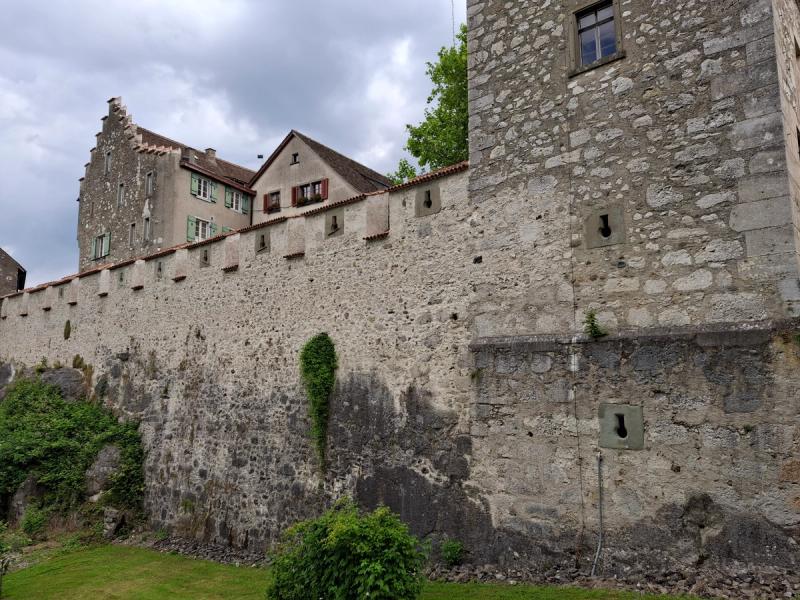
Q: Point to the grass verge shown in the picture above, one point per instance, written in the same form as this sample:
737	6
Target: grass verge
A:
126	573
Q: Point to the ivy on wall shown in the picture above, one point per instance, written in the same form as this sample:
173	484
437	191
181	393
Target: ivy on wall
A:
318	364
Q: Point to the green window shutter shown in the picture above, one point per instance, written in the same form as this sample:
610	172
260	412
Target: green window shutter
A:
191	223
94	247
195	184
226	229
106	244
228	197
245	205
213	191
213	229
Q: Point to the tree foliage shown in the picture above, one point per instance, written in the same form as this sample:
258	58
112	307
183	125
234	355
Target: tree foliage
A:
57	441
318	364
441	139
345	555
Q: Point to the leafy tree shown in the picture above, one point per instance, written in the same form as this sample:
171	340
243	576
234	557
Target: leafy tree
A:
405	171
442	137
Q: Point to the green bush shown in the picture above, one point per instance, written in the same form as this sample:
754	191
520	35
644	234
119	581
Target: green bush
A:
34	521
452	552
57	441
318	364
346	555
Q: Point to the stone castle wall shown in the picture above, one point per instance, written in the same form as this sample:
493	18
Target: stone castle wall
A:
466	400
488	440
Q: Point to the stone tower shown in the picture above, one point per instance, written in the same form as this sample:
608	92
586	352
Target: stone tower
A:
648	151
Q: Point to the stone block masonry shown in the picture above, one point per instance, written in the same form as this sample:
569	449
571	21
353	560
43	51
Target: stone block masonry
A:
487	440
687	142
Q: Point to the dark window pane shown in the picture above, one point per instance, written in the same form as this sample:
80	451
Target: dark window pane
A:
586	19
605	13
588	47
608	39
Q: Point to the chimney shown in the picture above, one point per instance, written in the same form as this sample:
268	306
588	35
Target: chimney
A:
187	154
211	155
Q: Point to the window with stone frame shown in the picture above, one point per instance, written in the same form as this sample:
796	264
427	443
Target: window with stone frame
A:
107	163
120	194
597	33
149	185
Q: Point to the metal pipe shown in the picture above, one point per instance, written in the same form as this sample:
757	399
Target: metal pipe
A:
600	510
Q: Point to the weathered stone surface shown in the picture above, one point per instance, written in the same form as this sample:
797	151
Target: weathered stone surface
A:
103	467
28	492
71	383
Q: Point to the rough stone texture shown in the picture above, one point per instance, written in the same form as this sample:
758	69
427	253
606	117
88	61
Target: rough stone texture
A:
71	383
685	135
103	467
717	477
12	275
27	492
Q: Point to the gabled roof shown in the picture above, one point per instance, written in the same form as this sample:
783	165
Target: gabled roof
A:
362	178
217	167
11	258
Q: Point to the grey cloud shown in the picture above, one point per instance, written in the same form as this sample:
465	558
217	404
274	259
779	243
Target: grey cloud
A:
231	74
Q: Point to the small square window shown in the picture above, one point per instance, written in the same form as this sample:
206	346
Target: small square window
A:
597	33
295	158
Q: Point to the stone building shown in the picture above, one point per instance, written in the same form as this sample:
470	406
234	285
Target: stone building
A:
143	192
302	174
656	145
12	275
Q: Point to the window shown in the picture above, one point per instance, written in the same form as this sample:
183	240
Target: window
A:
334	225
310	193
147	229
107	163
236	201
597	33
316	189
202	230
203	189
149	183
132	235
101	246
272	202
295	159
305	191
120	194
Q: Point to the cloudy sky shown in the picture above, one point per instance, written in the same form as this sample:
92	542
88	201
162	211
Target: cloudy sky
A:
235	75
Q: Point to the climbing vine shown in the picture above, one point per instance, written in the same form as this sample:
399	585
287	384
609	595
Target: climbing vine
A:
318	365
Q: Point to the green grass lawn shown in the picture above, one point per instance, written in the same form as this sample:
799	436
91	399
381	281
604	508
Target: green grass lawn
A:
120	572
